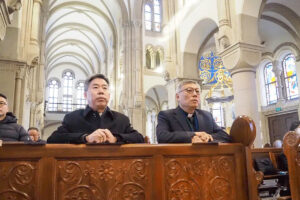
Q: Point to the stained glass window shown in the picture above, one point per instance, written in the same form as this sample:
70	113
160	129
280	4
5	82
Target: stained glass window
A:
212	70
53	86
80	100
153	15
290	77
270	84
68	79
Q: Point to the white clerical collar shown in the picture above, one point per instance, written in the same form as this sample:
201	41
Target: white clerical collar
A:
190	115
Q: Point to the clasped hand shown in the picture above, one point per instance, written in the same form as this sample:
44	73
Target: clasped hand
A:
202	137
101	136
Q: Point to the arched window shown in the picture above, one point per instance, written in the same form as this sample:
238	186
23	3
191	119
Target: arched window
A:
157	15
270	84
148	17
68	78
152	12
53	86
80	100
290	77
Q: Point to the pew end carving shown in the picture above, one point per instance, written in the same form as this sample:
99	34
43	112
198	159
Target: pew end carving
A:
291	150
243	130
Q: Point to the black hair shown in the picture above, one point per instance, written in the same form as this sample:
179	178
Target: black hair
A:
33	128
3	96
294	125
89	80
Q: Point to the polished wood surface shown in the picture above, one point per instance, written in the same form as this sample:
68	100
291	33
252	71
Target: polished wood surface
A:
291	149
207	171
243	130
182	171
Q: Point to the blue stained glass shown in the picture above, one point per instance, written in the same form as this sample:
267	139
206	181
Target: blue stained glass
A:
269	74
209	66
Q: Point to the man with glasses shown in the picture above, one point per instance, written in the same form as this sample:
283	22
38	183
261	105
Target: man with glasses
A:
186	123
9	129
96	123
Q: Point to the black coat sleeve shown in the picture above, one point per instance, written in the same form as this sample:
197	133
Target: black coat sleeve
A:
64	135
129	134
165	133
23	135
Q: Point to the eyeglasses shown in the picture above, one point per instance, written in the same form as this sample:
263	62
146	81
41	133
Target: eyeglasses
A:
191	90
2	103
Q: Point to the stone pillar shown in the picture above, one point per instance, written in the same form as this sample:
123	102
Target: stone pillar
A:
242	59
34	50
170	61
277	69
298	78
17	100
133	87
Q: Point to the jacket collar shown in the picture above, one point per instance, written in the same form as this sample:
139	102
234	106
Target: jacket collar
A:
89	110
180	115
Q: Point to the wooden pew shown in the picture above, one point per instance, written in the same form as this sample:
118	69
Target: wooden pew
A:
244	130
272	154
291	149
133	171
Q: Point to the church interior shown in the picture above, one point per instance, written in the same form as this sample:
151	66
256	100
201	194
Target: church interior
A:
245	54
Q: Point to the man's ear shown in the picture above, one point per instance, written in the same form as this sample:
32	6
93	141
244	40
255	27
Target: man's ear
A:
177	96
85	95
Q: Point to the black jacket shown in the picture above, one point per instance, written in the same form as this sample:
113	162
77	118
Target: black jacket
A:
11	131
172	127
86	121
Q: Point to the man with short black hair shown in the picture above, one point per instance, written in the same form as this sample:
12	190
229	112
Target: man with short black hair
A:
96	123
186	123
9	129
34	134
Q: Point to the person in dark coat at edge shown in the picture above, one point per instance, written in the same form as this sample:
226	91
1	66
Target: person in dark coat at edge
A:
186	123
97	123
9	129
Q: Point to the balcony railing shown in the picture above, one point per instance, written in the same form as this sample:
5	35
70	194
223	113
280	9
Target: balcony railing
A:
62	107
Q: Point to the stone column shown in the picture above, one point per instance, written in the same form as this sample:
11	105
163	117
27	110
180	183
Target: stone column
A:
242	59
277	69
298	78
34	50
17	100
134	102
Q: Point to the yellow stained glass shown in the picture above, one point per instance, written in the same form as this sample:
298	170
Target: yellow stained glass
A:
273	79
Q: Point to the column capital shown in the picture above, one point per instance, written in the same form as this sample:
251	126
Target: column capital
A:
241	55
20	73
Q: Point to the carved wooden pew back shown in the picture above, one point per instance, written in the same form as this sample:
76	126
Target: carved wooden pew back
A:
291	149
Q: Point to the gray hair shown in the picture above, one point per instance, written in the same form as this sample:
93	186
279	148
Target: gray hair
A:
185	82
